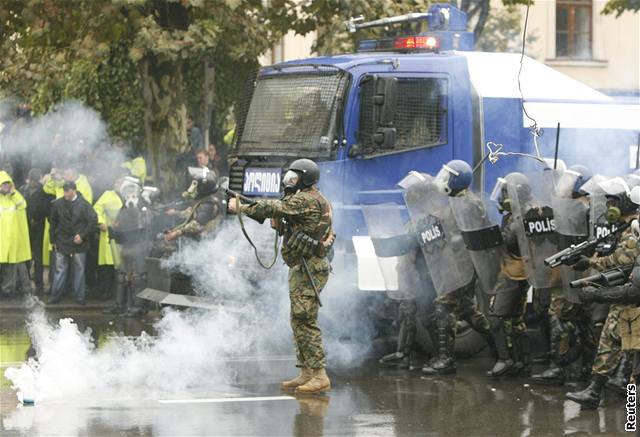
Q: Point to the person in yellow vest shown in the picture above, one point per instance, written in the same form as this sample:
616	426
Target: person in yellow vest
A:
53	184
15	248
107	208
137	167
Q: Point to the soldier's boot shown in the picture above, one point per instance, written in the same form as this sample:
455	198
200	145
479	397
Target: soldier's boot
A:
620	379
445	363
318	382
119	306
590	396
503	363
401	357
303	377
522	355
554	374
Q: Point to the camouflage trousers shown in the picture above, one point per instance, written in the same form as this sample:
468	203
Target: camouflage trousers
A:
307	336
460	305
609	351
571	331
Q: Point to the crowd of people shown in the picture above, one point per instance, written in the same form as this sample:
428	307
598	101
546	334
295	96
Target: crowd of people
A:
63	218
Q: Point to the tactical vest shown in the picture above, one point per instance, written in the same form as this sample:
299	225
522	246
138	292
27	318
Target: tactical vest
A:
298	243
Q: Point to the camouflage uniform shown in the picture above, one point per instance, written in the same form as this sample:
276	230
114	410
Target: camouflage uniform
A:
200	219
309	212
609	351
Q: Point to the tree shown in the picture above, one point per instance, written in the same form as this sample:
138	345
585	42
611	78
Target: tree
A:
620	6
136	61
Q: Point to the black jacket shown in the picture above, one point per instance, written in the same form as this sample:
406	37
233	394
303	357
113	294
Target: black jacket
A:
69	219
38	204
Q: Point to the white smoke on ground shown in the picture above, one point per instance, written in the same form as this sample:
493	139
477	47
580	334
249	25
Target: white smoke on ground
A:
191	348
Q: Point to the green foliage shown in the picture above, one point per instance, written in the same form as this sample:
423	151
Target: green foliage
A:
618	7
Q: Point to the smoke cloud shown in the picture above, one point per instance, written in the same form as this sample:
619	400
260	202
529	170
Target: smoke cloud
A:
193	347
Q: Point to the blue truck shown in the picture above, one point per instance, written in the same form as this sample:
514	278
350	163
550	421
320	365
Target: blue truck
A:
413	102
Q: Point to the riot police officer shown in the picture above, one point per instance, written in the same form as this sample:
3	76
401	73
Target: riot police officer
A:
447	258
570	333
507	306
304	217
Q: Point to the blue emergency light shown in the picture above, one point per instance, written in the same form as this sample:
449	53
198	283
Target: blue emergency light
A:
447	30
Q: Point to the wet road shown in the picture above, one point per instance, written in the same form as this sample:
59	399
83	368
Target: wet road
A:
366	401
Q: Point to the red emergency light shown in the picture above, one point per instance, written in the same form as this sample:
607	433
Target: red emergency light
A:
416	43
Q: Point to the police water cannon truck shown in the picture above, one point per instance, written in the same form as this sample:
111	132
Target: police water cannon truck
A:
413	102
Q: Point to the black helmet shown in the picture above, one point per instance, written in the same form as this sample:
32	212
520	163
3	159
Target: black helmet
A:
309	170
206	179
301	173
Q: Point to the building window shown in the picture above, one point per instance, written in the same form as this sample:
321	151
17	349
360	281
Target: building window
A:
573	29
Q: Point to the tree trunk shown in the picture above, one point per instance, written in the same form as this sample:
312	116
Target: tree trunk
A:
168	119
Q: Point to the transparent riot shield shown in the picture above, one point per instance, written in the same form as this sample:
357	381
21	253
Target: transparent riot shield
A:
571	216
439	237
535	225
395	247
481	235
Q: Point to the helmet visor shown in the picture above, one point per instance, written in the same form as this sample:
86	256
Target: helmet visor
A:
442	179
592	186
567	183
412	178
498	189
615	186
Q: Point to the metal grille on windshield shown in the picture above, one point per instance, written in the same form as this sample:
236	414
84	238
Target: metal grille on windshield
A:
292	112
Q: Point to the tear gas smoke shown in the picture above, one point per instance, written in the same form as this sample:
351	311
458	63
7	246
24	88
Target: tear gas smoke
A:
192	348
71	134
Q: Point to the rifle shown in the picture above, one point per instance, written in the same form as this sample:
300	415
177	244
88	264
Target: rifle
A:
234	194
609	278
573	253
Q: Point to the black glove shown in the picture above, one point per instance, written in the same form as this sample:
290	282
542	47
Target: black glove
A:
588	295
582	264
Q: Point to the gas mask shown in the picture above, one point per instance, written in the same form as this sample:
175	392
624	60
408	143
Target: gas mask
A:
130	192
291	181
192	191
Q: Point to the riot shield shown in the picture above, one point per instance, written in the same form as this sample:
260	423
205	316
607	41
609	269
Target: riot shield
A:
598	224
535	225
439	237
571	216
481	235
395	249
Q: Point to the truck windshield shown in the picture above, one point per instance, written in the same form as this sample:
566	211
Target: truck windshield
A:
292	113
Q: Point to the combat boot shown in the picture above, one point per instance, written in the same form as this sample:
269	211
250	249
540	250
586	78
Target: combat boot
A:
503	363
553	375
318	382
621	378
590	396
303	377
445	362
